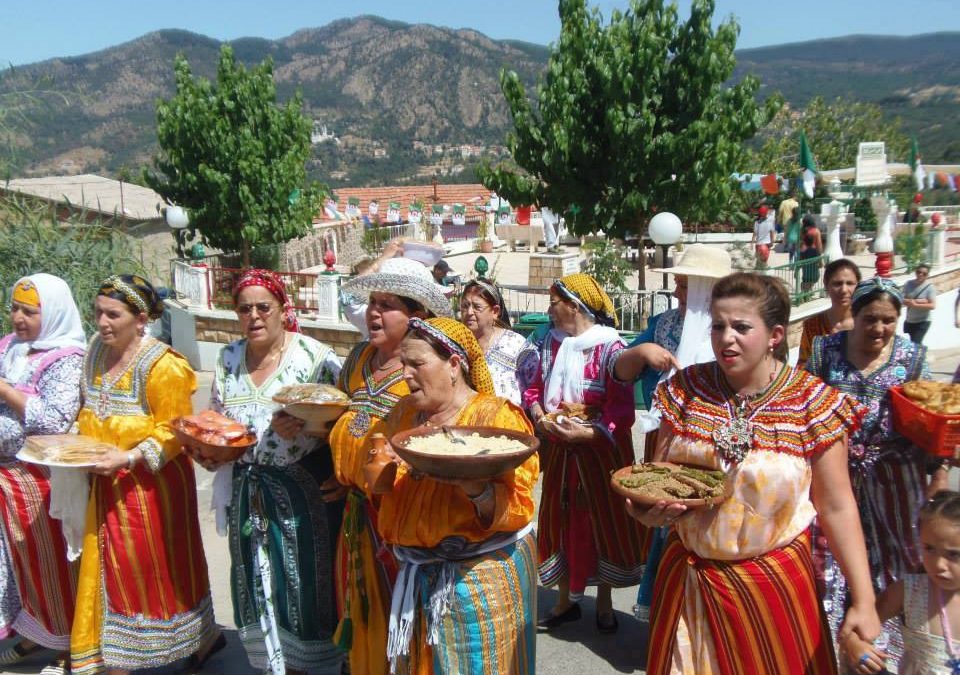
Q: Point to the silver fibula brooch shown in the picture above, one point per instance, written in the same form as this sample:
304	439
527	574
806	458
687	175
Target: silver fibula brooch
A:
360	424
734	440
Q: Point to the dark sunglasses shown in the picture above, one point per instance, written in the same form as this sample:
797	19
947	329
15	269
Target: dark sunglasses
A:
263	308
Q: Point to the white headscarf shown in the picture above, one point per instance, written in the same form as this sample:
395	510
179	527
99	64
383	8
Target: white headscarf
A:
60	324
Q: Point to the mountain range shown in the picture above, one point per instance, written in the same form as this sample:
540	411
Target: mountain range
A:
395	102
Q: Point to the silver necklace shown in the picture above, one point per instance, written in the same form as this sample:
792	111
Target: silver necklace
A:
735	439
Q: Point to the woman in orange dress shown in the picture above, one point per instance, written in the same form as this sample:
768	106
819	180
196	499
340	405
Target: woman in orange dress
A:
840	277
373	377
465	596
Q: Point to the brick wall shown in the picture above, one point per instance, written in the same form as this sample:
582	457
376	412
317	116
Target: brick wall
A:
224	331
307	251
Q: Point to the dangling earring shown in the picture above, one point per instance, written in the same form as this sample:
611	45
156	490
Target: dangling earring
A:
142	330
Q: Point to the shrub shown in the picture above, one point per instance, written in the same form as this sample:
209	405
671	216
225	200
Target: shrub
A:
82	254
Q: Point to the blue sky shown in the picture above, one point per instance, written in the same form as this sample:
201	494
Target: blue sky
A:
33	30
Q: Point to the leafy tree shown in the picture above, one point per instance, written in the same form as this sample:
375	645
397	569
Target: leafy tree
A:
234	158
834	132
632	117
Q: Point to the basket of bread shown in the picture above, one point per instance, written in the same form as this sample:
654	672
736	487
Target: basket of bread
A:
465	453
210	436
580	413
63	450
652	482
315	404
928	413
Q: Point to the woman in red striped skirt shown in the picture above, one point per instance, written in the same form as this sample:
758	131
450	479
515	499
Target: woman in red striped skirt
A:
735	589
41	364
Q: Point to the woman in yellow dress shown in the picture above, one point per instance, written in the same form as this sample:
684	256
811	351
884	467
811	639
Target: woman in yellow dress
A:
465	596
373	376
143	598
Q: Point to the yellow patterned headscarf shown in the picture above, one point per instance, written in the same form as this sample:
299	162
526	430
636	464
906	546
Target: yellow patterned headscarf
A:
25	292
584	290
458	339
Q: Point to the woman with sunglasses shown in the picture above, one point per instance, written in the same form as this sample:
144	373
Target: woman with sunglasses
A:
483	311
284	509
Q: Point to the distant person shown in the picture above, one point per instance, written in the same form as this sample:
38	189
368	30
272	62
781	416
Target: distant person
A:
809	227
440	272
764	232
807	258
785	212
920	298
551	229
791	236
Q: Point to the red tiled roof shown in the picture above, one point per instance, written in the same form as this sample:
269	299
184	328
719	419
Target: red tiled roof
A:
471	195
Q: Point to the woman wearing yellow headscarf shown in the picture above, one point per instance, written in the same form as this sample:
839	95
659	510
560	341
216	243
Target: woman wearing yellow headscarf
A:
465	596
582	533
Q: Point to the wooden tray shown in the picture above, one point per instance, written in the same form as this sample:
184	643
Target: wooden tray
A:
644	499
464	467
316	415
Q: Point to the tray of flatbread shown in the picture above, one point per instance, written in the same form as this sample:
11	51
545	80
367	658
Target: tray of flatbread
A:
316	404
652	482
64	450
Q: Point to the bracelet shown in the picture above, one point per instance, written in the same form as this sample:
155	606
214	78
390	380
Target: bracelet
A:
131	460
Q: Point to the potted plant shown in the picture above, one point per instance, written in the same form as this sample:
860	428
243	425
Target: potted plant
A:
483	234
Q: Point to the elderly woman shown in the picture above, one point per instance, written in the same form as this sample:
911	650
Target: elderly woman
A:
465	596
735	592
373	377
142	529
485	314
41	364
282	528
888	473
584	533
840	277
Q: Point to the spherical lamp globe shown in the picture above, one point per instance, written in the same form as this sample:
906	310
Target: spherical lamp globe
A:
665	229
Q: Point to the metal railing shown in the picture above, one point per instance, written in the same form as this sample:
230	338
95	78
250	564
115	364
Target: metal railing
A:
803	278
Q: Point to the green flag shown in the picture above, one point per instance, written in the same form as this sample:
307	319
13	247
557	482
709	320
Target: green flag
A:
916	165
808	165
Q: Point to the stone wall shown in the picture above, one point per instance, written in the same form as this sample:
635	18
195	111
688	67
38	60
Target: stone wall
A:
307	251
224	330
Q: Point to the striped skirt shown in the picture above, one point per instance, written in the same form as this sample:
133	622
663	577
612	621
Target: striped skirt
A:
760	616
143	598
366	571
490	627
583	529
282	543
47	582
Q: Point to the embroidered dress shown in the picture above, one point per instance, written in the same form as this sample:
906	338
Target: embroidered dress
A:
366	568
501	358
735	589
38	575
488	626
813	327
923	652
143	598
583	528
887	472
281	532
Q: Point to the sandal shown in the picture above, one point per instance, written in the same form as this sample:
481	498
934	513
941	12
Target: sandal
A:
17	653
196	662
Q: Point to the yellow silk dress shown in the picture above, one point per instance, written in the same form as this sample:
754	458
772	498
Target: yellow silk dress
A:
489	628
143	598
366	569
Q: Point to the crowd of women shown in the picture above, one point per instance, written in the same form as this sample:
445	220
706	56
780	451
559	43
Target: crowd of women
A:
335	566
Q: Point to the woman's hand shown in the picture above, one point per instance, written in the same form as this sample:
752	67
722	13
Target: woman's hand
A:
333	490
661	514
286	426
656	357
322	434
862	620
111	462
861	655
569	431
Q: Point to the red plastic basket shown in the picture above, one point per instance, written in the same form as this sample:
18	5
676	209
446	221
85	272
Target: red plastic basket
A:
937	434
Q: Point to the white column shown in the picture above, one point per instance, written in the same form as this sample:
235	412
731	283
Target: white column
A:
832	249
328	297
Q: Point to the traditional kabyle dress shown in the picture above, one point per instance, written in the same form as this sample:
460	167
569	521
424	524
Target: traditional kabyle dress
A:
281	531
465	598
583	528
887	473
366	569
735	590
144	597
45	581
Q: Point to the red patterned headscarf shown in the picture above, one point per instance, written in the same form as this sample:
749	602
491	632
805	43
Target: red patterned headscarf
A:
273	283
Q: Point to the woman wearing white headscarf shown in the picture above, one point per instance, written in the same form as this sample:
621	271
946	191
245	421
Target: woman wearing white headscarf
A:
41	364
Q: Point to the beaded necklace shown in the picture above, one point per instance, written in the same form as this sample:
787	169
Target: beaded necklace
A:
735	438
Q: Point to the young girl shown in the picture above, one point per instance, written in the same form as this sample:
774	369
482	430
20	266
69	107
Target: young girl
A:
930	604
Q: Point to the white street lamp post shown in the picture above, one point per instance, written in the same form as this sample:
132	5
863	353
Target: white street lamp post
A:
665	231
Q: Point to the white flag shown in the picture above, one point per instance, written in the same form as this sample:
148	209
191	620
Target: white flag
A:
809	181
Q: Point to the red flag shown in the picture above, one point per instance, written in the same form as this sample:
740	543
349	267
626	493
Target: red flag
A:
770	184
